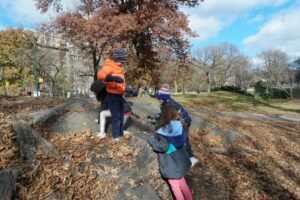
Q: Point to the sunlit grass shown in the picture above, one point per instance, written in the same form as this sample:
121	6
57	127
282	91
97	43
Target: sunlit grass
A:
228	101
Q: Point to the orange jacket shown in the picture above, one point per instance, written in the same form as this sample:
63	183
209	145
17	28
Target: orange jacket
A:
110	67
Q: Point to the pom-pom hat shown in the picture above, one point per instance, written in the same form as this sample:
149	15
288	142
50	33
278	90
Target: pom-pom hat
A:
164	92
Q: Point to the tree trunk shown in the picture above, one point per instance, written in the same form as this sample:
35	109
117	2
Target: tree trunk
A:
51	89
4	81
95	63
291	90
208	82
291	93
51	92
175	86
8	178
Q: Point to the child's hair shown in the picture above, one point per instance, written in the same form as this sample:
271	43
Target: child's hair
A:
169	113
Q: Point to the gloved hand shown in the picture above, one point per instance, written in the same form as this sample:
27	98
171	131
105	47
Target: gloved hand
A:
110	78
131	90
149	117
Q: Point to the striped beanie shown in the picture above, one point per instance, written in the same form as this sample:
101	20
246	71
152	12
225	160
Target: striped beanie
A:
164	92
120	55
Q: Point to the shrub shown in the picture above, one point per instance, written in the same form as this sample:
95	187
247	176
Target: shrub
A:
273	93
231	88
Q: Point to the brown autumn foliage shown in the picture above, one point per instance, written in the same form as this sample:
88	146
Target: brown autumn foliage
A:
152	30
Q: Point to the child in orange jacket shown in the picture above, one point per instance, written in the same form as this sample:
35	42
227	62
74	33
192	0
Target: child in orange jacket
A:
113	74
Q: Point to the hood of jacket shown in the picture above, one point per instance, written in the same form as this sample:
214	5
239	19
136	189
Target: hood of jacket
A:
175	131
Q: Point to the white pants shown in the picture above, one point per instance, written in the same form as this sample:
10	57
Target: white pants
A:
103	115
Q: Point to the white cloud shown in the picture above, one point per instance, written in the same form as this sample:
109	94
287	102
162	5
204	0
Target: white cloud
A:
24	11
280	32
256	19
208	27
280	2
211	16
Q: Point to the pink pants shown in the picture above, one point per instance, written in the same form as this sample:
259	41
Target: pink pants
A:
180	189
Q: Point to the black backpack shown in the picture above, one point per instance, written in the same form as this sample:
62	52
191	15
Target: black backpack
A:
99	88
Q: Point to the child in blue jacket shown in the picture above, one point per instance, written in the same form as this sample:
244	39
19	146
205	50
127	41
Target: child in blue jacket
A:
169	142
164	97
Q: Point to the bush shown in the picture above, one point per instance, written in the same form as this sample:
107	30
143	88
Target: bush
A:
273	93
231	88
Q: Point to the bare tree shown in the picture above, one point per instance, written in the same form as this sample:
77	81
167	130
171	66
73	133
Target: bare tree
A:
276	69
230	56
208	59
242	72
291	80
275	64
52	67
49	59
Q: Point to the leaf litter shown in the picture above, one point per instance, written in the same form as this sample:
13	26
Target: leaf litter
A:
71	175
267	167
271	174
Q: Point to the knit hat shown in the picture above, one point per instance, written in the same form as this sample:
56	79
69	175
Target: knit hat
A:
120	55
164	92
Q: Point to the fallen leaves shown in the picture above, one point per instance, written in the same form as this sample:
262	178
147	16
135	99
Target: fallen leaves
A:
267	167
8	147
73	173
88	168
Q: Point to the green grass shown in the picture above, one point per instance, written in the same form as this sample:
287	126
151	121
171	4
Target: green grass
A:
228	101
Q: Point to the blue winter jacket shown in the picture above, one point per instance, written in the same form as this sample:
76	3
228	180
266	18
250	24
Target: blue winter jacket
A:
174	133
169	143
184	115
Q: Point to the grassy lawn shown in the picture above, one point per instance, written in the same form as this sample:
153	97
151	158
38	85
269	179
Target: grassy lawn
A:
228	101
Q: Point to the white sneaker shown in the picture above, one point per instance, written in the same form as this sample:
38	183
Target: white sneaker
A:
101	135
116	139
194	161
126	133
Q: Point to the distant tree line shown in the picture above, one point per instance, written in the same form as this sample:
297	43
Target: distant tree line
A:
223	64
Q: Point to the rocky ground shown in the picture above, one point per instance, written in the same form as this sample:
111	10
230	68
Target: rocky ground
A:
240	158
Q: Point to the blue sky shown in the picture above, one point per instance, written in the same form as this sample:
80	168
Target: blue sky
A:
253	26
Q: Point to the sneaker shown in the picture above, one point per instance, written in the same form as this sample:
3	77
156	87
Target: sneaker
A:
116	139
194	161
126	133
101	135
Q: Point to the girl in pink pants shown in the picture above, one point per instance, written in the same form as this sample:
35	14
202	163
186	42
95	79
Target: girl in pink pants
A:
169	142
180	189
